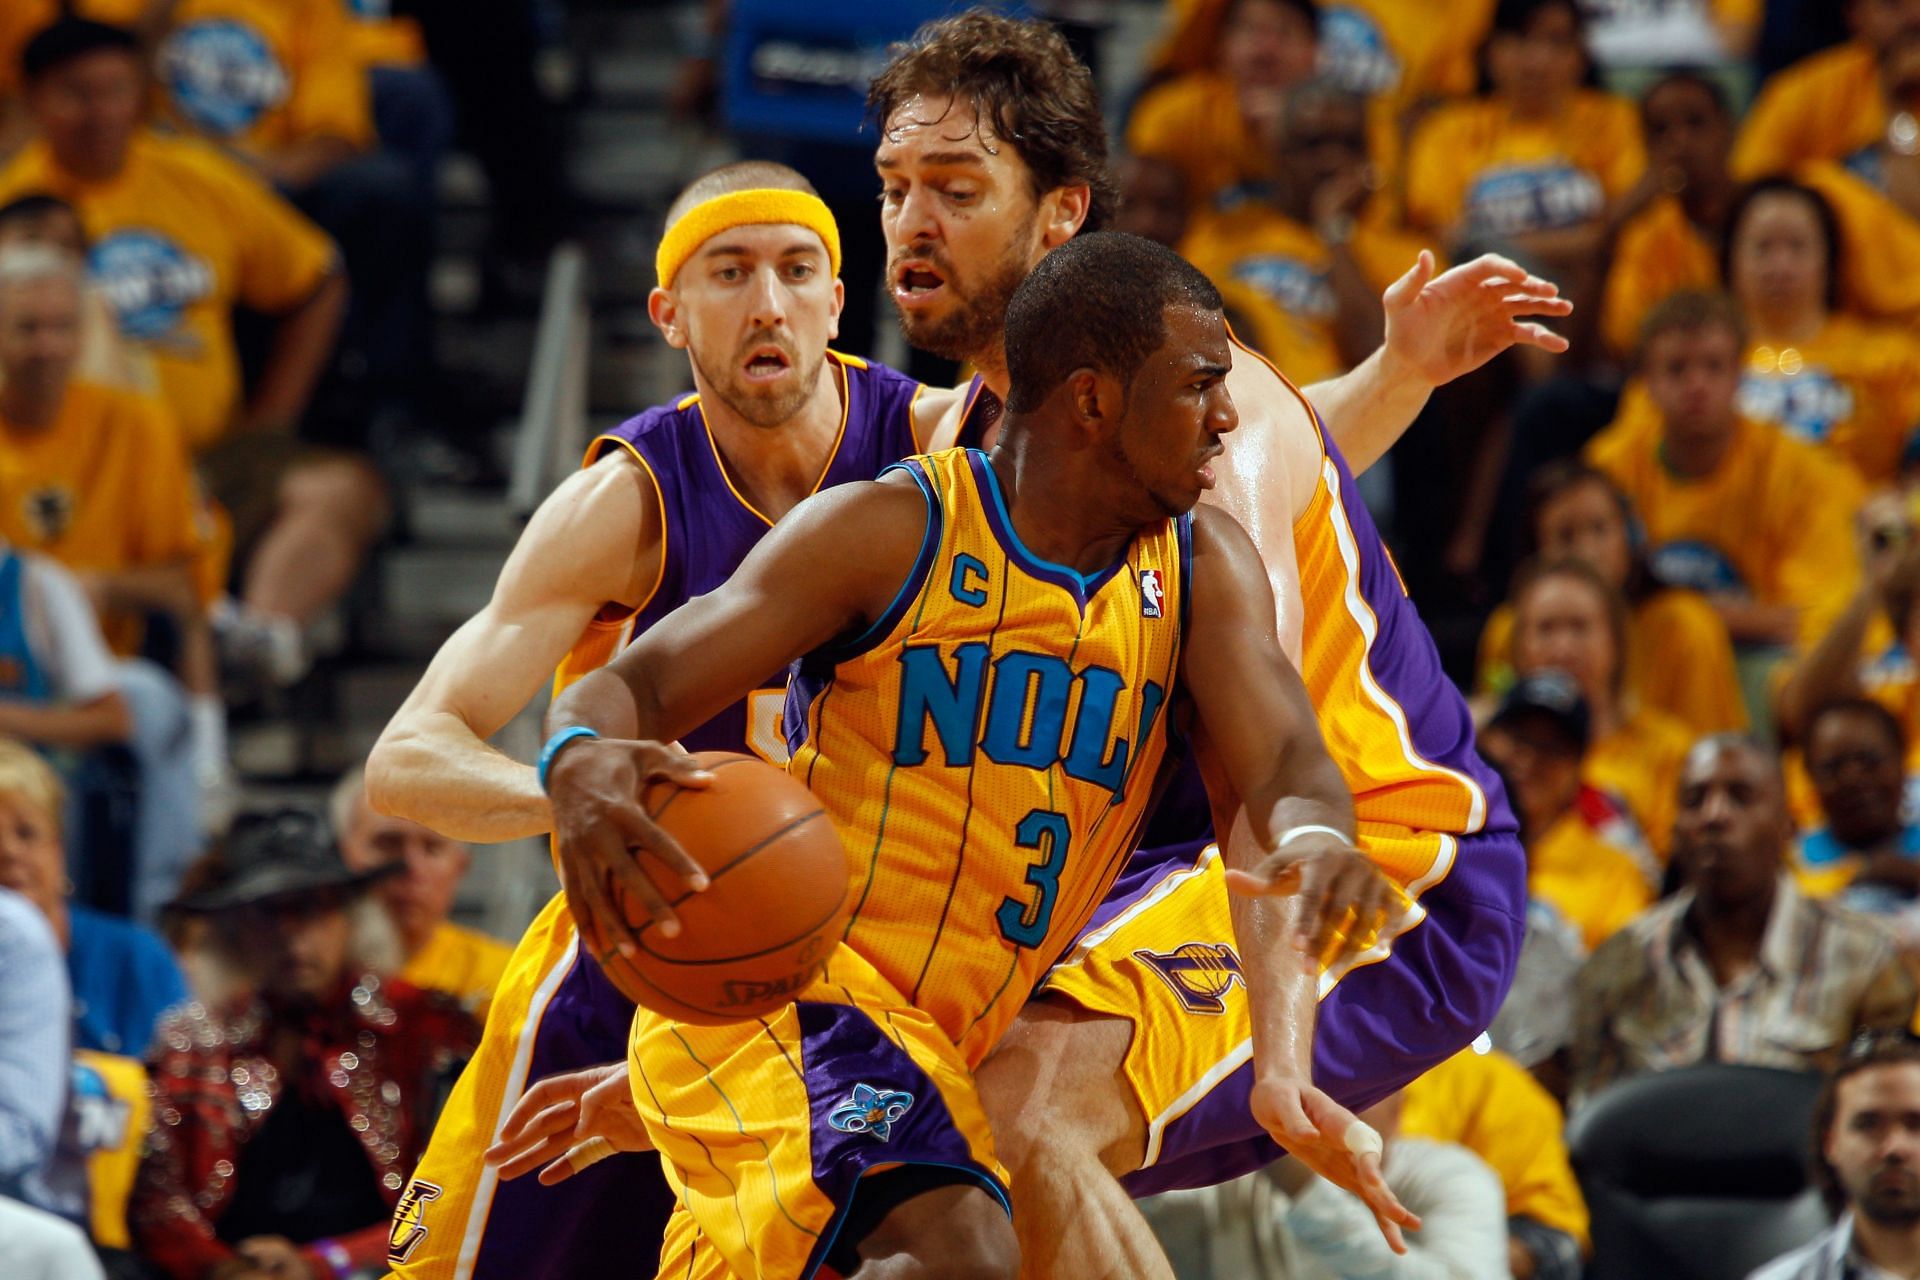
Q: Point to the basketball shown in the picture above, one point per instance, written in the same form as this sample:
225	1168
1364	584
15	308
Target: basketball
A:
774	907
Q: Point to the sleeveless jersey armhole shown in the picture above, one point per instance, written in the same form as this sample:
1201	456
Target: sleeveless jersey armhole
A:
882	626
613	614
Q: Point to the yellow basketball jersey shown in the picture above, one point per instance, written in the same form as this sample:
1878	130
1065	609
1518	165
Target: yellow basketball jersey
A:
989	746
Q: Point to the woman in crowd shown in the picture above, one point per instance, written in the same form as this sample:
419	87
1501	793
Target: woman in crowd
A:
1566	615
1679	659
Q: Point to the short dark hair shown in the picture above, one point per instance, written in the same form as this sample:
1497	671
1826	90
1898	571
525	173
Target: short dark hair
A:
65	39
1700	78
1882	719
35	204
1689	311
1876	1047
1823	213
1098	301
1025	81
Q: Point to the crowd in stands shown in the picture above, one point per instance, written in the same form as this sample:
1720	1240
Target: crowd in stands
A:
1677	568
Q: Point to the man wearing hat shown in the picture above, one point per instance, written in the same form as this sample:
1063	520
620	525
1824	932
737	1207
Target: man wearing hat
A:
286	1118
1586	857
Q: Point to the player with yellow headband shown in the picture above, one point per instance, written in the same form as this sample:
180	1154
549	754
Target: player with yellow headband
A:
665	508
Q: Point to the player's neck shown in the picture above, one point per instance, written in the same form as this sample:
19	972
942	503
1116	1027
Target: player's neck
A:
1060	510
777	467
991	365
23	411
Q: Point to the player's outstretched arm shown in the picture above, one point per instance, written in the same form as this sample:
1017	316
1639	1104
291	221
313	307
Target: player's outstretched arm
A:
596	539
1438	328
827	570
1303	895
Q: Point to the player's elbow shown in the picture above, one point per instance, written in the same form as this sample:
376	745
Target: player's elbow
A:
386	767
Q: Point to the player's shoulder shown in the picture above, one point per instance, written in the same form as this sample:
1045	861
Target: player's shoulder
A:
1269	402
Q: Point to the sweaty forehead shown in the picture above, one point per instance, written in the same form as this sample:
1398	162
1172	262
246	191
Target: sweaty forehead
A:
949	126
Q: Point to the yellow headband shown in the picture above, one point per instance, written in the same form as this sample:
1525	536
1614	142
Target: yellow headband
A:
744	209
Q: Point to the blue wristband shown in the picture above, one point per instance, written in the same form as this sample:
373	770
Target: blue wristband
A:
554	746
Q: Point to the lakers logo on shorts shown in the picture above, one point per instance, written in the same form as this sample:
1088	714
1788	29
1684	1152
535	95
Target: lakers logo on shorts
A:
1200	973
870	1110
409	1221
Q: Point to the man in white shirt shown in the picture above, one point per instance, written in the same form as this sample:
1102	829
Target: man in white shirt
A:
1867	1131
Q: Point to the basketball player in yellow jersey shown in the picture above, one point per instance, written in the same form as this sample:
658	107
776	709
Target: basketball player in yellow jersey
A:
664	508
991	651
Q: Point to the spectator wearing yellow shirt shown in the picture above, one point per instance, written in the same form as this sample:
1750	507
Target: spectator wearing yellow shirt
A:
1831	104
1756	521
1309	251
278	83
181	235
1215	123
1402	57
1868	651
1566	616
1846	385
1679	656
1586	856
1538	165
106	358
1673	243
1487	1103
440	955
1153	199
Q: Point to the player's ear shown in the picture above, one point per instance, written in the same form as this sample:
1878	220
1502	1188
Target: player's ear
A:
1096	399
839	305
1063	211
664	310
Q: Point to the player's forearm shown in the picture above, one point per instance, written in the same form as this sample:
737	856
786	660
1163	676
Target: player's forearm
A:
436	771
1370	406
301	347
1281	978
609	702
1831	670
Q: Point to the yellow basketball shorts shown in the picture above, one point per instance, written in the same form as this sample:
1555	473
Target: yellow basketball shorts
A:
766	1127
1161	954
554	1011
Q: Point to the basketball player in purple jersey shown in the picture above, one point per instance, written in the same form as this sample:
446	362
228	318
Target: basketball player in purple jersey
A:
666	507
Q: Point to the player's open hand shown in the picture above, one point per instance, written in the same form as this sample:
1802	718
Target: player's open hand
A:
568	1123
1444	327
1343	897
603	832
1334	1143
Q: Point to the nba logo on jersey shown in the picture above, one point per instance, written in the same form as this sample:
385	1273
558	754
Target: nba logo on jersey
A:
1151	593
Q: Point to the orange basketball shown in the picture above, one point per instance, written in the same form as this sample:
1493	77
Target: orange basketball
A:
777	901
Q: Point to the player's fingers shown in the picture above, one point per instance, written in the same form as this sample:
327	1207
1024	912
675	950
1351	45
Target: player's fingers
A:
641	832
534	1107
1404	290
526	1160
1534	335
607	927
679	768
1526	304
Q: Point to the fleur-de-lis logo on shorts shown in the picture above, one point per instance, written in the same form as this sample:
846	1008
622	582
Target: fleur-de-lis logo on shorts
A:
870	1110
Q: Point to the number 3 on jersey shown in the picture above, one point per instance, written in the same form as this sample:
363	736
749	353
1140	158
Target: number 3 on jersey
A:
1024	924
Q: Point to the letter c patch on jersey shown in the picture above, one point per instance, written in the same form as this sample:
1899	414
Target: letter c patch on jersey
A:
1152	593
1200	973
409	1226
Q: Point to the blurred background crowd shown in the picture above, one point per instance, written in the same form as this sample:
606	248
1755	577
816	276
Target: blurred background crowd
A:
305	303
